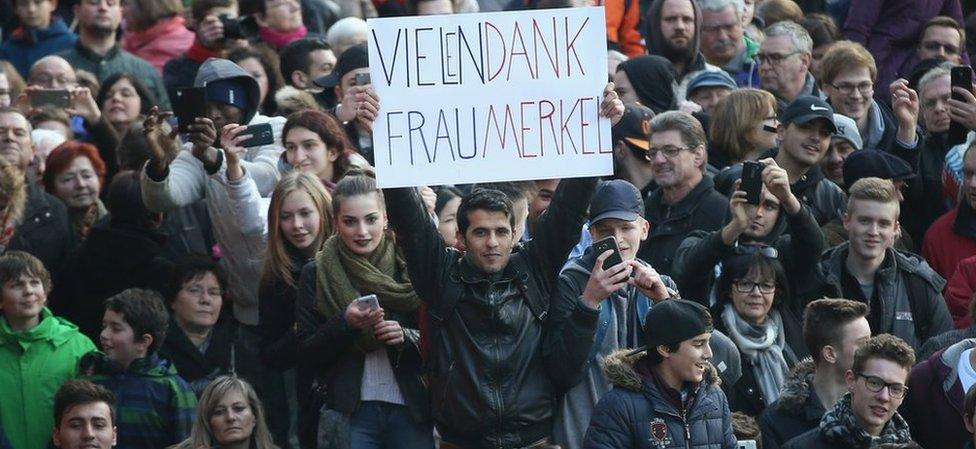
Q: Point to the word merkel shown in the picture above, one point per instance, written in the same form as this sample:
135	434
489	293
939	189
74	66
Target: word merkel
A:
542	48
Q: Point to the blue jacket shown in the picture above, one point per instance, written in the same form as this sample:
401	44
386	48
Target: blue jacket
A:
27	45
636	415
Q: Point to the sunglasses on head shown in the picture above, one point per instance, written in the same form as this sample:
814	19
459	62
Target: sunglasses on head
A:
765	250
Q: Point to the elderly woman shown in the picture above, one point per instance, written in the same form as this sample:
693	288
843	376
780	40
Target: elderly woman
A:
75	174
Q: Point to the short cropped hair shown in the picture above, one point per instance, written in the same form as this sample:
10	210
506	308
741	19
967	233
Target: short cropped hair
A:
692	133
14	264
887	347
79	392
843	56
144	311
297	56
946	22
489	200
822	320
872	189
798	35
188	268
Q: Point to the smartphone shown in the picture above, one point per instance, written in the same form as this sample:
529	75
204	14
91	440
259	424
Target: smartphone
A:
58	98
747	444
261	134
191	103
602	246
362	79
752	181
960	76
368	302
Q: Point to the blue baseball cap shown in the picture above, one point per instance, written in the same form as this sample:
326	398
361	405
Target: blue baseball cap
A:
711	78
616	199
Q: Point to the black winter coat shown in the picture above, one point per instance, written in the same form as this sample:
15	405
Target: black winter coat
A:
113	258
635	414
797	410
493	375
196	368
44	230
703	209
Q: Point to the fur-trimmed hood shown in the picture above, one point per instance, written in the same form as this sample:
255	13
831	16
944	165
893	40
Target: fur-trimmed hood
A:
797	386
619	369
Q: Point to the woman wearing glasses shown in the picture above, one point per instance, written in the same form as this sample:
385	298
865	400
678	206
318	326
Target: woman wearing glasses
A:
847	76
752	309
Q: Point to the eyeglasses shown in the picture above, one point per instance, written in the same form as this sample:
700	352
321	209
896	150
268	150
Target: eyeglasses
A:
747	286
865	88
773	58
935	46
875	384
669	151
766	251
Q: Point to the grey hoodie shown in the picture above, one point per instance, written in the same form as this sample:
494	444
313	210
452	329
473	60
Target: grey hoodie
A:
188	182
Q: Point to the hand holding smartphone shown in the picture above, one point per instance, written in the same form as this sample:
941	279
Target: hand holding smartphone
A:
56	98
190	104
368	302
959	76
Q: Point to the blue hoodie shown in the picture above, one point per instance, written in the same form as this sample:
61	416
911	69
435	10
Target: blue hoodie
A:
27	45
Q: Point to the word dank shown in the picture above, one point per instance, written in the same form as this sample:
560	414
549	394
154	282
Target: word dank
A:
544	48
528	129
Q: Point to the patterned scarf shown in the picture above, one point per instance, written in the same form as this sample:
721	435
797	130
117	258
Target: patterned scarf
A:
764	345
838	426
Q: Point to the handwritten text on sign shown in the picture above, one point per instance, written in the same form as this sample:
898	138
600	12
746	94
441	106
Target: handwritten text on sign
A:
490	97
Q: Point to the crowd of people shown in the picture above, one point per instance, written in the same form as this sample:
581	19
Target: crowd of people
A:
784	254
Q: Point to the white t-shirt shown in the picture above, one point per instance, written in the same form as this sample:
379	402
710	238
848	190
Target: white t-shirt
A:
967	375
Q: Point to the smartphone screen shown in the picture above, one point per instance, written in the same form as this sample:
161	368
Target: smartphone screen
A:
369	302
58	98
602	246
960	76
751	181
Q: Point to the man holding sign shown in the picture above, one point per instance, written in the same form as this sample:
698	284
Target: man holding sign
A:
492	369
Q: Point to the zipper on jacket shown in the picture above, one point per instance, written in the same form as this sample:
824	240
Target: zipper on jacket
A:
684	421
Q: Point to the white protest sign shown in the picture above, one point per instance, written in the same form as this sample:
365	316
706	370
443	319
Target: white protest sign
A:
490	97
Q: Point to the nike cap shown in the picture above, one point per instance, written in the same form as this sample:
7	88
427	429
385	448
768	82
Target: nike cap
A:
806	109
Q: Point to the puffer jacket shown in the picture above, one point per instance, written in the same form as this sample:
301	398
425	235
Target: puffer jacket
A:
44	231
897	315
33	365
620	327
825	199
798	409
934	406
188	181
492	370
635	414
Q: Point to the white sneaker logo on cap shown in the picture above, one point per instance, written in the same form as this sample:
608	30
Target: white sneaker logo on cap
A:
814	107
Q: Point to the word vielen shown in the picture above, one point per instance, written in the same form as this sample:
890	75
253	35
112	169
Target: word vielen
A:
546	49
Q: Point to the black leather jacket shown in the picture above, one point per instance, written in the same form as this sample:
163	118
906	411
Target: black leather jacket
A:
493	369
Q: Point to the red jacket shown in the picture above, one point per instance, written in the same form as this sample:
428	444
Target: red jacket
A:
959	292
934	404
943	247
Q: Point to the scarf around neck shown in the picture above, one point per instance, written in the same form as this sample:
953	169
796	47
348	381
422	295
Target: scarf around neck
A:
838	426
278	39
764	345
342	276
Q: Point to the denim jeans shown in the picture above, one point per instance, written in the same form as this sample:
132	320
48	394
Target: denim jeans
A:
381	425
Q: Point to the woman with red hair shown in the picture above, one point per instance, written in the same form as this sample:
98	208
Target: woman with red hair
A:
75	174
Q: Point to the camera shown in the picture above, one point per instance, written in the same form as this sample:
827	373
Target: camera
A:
244	27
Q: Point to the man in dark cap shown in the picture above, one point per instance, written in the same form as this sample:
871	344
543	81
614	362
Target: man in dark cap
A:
666	393
358	103
709	87
623	293
630	145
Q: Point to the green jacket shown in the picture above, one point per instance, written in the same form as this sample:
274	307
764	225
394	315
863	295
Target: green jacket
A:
33	365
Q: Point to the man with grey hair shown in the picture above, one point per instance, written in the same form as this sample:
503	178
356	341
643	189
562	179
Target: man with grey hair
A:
724	43
44	230
784	63
686	199
345	33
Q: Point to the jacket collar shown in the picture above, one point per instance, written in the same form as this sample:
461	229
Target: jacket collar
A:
47	329
95	57
798	396
965	222
659	210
